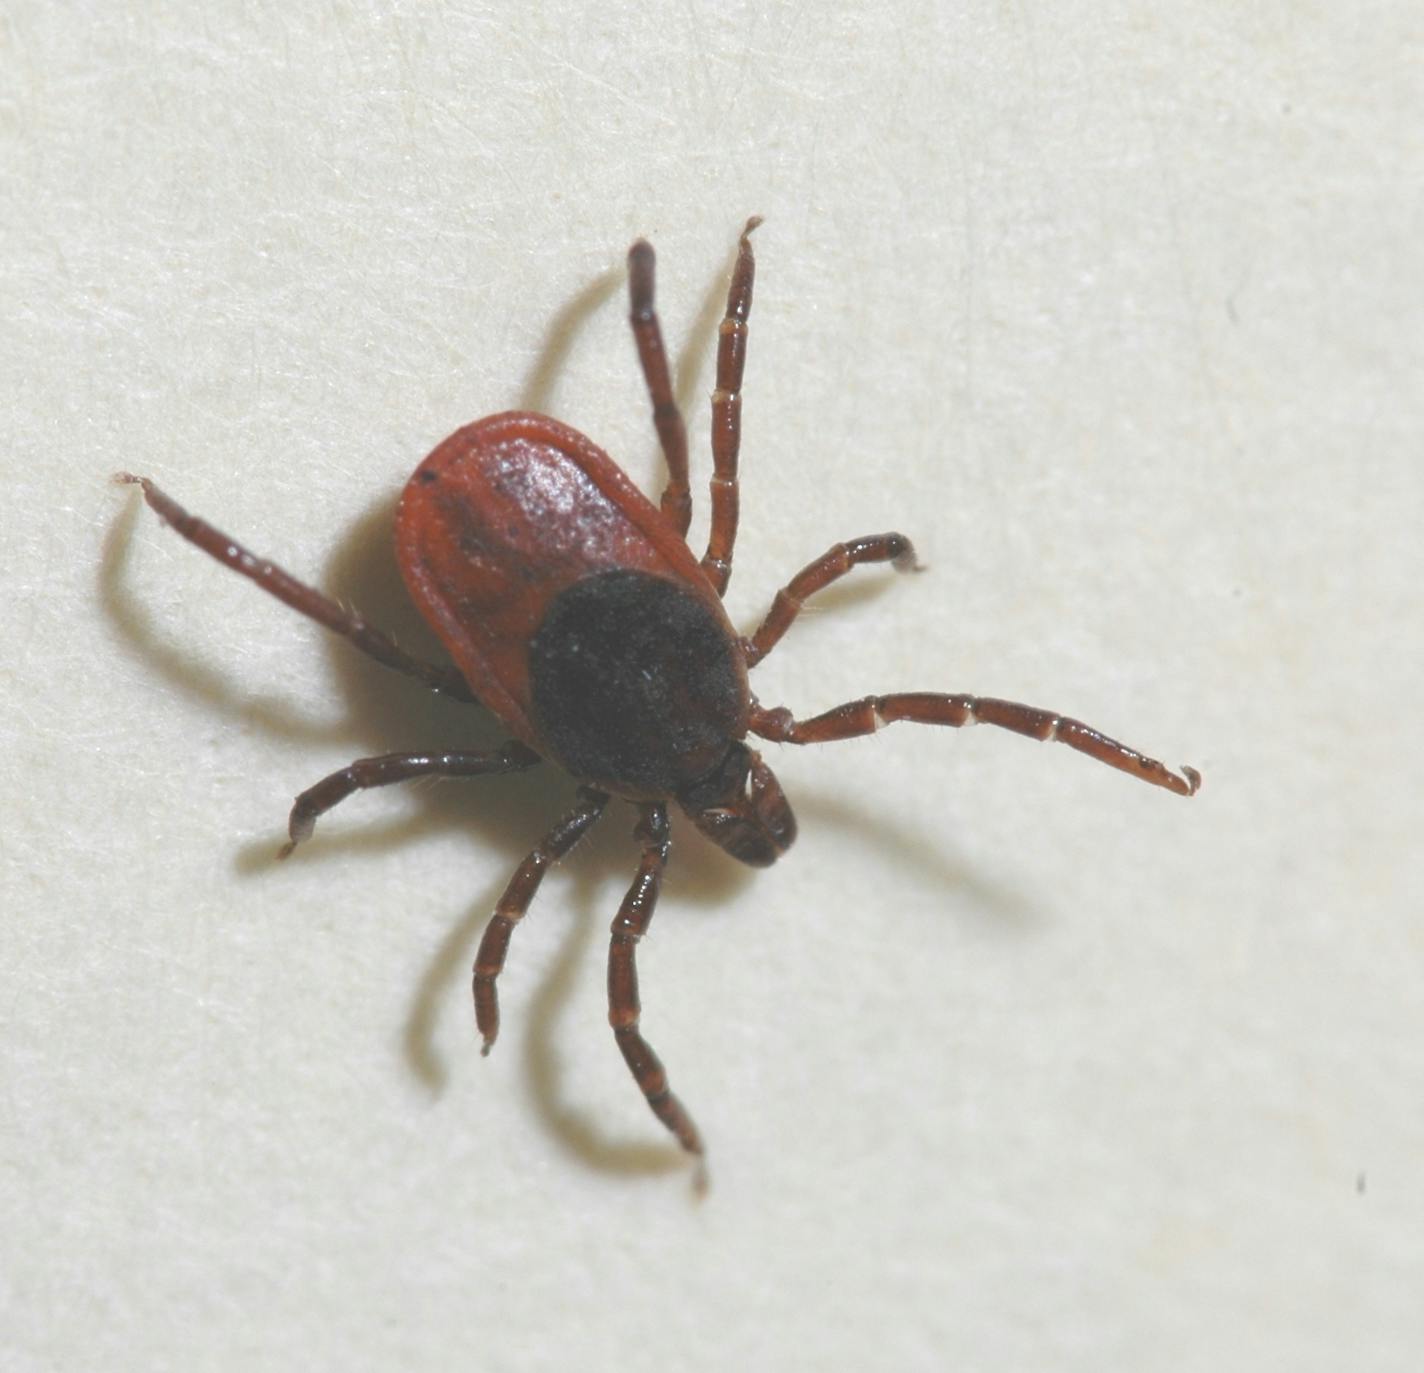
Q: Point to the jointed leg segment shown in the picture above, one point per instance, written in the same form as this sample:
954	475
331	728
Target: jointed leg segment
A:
652	356
629	926
931	708
831	566
759	825
397	767
510	908
286	588
727	414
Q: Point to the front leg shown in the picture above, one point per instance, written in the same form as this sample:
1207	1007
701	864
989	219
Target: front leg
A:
624	1009
932	708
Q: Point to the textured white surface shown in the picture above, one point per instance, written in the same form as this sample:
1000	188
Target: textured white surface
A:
1011	1063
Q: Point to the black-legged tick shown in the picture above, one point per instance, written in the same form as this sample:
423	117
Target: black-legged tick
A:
574	609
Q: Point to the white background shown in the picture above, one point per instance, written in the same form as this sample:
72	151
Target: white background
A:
1012	1062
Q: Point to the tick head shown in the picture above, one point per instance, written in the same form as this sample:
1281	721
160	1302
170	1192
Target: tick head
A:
740	806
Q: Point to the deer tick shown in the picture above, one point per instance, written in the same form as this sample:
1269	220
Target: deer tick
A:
574	610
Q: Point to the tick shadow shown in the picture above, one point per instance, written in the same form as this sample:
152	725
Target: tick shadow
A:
175	662
689	363
553	356
904	850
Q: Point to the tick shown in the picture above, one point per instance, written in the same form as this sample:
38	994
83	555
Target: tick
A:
575	610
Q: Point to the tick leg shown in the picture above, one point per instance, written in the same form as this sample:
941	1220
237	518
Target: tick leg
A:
298	595
509	910
931	708
830	567
629	926
727	414
667	418
396	767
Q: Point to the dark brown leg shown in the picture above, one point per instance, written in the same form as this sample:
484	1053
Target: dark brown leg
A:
727	414
298	595
672	432
629	926
928	708
831	566
396	767
510	908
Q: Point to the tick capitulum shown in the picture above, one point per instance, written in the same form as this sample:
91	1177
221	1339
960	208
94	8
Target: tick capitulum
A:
574	610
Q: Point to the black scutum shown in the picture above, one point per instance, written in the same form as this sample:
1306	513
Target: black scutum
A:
635	683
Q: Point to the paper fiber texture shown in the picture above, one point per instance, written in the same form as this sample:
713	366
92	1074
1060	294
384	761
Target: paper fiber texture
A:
1011	1063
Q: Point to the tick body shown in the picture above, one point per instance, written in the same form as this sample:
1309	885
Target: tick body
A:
573	608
